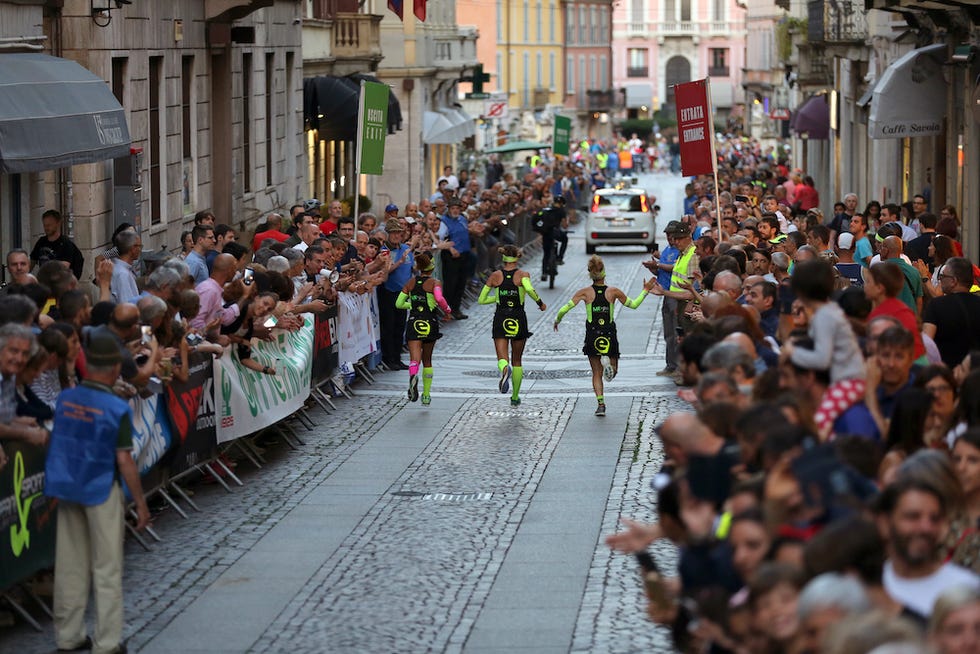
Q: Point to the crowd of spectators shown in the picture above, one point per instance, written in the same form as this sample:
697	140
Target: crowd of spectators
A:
824	491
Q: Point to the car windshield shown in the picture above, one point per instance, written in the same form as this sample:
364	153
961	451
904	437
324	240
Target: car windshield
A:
621	201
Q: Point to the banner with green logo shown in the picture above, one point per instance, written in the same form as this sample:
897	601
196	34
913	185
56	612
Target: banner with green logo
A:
372	127
27	516
248	401
563	135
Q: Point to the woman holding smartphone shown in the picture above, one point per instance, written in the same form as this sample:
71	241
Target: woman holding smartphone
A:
420	296
507	288
601	341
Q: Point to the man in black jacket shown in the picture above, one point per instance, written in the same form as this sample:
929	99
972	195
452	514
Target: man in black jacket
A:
55	245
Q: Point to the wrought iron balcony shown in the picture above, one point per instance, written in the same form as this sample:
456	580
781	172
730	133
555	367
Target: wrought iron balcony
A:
638	71
600	100
836	21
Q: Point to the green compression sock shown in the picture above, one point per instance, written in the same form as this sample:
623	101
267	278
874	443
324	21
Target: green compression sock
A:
517	375
600	399
426	380
501	364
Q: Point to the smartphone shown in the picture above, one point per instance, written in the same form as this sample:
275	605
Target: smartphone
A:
146	334
741	198
270	322
248	277
653	581
194	339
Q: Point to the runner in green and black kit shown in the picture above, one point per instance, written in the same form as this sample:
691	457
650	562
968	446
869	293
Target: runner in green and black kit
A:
601	342
421	296
510	321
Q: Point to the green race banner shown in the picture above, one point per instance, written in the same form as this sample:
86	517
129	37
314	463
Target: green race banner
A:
248	401
372	127
563	134
27	517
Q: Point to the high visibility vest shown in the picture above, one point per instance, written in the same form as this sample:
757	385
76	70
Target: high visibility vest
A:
602	159
680	271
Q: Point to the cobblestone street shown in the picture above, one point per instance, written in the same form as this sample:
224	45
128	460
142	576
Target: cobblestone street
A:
465	526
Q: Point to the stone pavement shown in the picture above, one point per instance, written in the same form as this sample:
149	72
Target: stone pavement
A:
466	526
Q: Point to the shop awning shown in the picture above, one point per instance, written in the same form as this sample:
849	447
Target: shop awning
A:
639	95
910	97
330	106
812	118
436	129
54	113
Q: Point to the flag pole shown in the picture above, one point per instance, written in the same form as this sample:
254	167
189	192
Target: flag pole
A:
714	155
357	159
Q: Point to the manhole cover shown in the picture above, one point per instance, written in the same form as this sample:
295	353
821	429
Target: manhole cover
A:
566	373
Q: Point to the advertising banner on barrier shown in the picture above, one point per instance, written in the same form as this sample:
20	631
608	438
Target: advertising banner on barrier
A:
151	431
355	327
27	517
325	360
191	406
248	401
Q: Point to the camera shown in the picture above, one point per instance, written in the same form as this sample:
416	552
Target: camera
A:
194	339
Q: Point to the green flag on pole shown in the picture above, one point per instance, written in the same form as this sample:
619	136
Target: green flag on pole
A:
372	127
563	134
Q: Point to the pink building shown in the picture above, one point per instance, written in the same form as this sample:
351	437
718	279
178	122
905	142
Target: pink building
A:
589	92
659	43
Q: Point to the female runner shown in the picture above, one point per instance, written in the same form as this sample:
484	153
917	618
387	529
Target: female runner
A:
510	320
601	343
421	296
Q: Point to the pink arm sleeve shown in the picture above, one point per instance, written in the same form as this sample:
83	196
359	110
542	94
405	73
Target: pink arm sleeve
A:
440	300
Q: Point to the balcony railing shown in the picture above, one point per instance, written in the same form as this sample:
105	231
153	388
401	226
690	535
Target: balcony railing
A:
678	28
600	100
814	66
718	71
843	21
356	35
718	27
638	71
540	97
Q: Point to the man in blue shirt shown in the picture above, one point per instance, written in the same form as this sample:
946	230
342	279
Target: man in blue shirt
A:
203	237
401	262
455	259
668	307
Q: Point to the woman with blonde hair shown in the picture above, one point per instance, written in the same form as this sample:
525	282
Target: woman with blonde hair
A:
507	288
601	343
954	626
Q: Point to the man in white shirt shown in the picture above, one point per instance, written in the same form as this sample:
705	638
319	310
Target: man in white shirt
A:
912	518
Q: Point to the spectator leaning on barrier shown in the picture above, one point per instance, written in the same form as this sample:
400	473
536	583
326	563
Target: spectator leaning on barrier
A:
203	236
401	262
16	345
88	459
212	308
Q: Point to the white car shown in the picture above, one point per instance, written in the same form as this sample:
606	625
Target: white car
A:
620	216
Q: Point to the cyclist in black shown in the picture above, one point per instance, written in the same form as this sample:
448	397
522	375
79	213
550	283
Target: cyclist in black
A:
421	296
601	342
549	222
510	321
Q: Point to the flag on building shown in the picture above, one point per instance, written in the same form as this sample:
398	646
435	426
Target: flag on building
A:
397	7
419	9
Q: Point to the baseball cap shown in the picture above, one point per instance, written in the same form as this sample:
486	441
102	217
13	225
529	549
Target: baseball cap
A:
845	241
679	229
310	205
394	225
391	207
103	351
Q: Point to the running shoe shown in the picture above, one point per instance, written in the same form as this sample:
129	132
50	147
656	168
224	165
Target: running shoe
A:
413	388
426	399
504	384
608	372
515	401
601	409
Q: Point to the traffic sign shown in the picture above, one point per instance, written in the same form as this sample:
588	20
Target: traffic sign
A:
779	114
477	96
495	109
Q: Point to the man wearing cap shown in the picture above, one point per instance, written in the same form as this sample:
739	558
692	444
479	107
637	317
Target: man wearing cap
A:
682	273
455	259
88	458
663	267
400	264
848	268
335	211
391	212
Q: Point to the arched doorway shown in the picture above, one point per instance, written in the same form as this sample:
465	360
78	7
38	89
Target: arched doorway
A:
678	71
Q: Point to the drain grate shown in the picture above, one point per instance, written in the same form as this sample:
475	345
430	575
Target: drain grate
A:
444	497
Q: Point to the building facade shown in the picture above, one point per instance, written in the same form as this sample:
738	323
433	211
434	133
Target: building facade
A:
660	43
211	94
589	94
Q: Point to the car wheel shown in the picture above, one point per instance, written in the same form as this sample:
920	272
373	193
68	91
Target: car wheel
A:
589	248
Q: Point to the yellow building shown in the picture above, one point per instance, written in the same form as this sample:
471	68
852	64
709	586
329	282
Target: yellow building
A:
529	59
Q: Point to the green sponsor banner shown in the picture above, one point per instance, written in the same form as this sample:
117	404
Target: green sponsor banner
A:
27	517
563	134
372	127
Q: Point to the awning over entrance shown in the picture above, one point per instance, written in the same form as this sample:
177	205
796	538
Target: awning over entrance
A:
812	119
639	95
447	126
330	106
54	113
910	97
